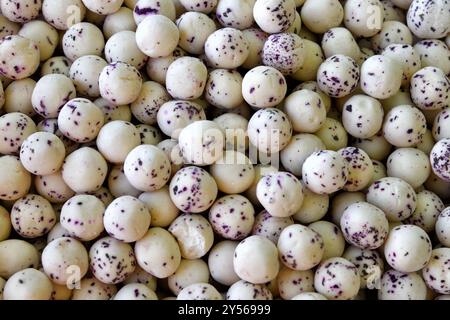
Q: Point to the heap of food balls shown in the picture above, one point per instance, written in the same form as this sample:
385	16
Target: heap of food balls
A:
225	149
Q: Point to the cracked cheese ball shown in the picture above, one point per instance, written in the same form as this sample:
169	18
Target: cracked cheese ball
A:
157	36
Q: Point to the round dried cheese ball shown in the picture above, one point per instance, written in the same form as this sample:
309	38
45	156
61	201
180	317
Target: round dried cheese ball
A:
194	28
20	10
442	227
269	226
186	68
220	262
145	8
135	291
103	7
5	224
189	272
267	17
381	76
83	39
44	35
85	72
363	17
151	97
333	239
243	290
199	291
435	273
15	180
338	76
293	282
28	284
21	57
120	83
17	255
121	20
430	89
320	16
157	36
284	52
360	168
396	285
17	97
15	128
409	164
428	19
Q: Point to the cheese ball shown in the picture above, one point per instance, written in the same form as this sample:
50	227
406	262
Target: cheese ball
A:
392	32
333	239
120	83
439	159
362	116
314	86
172	150
199	291
32	216
135	291
62	14
340	41
85	72
105	267
15	128
313	57
337	279
197	179
157	36
433	53
156	68
28	284
404	126
409	164
158	253
428	20
320	16
142	277
235	13
8	27
381	77
376	147
5	224
84	170
17	97
442	227
325	172
121	20
43	34
243	290
220	262
407	57
256	260
188	273
363	18
314	206
62	254
256	39
396	285
360	168
269	226
284	52
112	111
435	273
264	87
57	232
267	17
21	57
17	255
83	39
235	128
440	125
82	216
80	120
338	76
118	183
309	296
144	8
58	65
92	289
407	248
148	102
15	180
149	134
224	89
186	68
194	28
20	10
428	208
430	89
293	282
369	263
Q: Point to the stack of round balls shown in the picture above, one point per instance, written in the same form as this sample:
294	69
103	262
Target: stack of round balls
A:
224	149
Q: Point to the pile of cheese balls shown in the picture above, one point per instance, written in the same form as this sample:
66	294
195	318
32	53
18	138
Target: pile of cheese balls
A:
224	149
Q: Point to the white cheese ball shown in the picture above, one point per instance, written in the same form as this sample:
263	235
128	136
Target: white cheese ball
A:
338	76
396	285
263	87
435	272
57	232
341	201
284	52
293	282
62	254
337	279
360	168
407	57
430	89
17	97
85	73
392	32
320	16
8	27
103	7
314	86
147	168
243	290
439	159
82	217
363	18
429	205
369	263
256	39
121	20
135	291
269	226
333	239
80	120
20	10
149	135
381	77
224	89
144	8
407	248
21	57
428	20
119	185
434	53
44	35
437	185
197	179
5	224
340	41
32	216
300	248
267	17
51	93
124	39
377	147
404	126
199	291
158	253
220	262
156	68
17	255
260	171
440	125
83	39
235	13
120	83
194	28
105	267
93	289
325	172
409	164
112	111
28	284
15	180
151	97
157	36
188	273
42	153
58	65
256	260
182	69
226	48
62	14
443	227
84	170
314	206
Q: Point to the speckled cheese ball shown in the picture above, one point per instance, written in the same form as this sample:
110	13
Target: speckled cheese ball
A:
256	260
269	130
197	179
15	180
312	59
280	194
392	11
85	72
443	227
409	164
17	255
441	126
337	279
84	170
263	87
57	232
20	57
434	53
113	112
333	239
392	32
407	57
103	7
300	248
105	267
119	185
194	28
437	185
360	168
284	52
142	277
377	147
93	289
340	41
120	83
5	224
430	89
172	150
338	76
42	153
116	139
363	17
396	285
404	126
121	20
205	6
60	255
243	290
156	68
224	89
127	219
151	97
314	86
32	216
202	142
149	135
435	273
256	39
439	159
135	291
62	14
199	291
186	68
314	206
320	16
364	225
429	19
82	216
220	262
83	39
189	272
369	263
158	253
269	226
43	34
325	172
309	296
362	116
147	168
20	10
235	13
8	27
227	48
144	8
293	282
381	77
429	205
267	16
28	284
157	36
235	128
15	128
58	64
114	49
17	97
